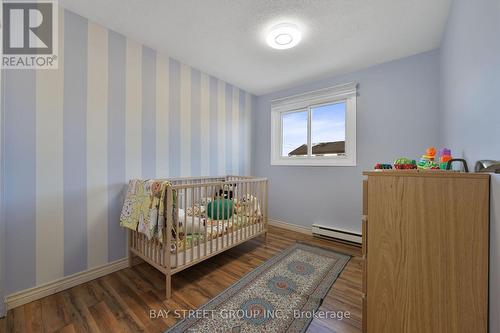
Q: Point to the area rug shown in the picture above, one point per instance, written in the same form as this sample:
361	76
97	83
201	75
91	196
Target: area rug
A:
279	296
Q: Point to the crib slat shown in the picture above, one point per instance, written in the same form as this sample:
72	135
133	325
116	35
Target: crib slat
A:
261	201
266	206
142	244
224	217
185	225
250	221
252	209
216	208
176	214
131	240
198	198
246	211
249	206
147	246
139	241
151	248
262	188
192	223
232	214
241	193
138	245
155	250
256	216
256	213
255	220
205	234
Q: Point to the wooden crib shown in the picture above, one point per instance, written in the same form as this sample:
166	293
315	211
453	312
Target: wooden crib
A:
190	236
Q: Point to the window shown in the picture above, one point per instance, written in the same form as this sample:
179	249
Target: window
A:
316	128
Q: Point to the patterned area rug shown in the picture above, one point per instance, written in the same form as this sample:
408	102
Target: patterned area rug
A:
277	296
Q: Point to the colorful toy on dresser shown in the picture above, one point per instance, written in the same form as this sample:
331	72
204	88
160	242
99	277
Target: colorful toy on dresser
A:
444	157
404	163
427	162
382	166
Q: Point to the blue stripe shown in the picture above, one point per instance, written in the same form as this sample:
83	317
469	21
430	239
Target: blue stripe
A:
74	148
229	129
20	179
148	113
244	145
3	309
117	50
175	118
213	100
195	122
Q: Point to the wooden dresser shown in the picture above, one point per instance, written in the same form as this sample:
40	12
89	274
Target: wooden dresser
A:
425	244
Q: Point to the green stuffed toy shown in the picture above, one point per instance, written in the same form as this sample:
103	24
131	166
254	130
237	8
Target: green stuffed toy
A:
215	210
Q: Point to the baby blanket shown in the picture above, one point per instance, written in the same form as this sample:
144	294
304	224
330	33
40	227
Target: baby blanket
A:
144	207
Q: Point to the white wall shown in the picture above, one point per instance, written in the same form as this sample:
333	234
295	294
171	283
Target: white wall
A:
397	108
470	105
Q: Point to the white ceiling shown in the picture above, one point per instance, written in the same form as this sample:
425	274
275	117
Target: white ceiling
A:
225	38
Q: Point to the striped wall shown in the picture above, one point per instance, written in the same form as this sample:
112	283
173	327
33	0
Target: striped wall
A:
2	219
114	110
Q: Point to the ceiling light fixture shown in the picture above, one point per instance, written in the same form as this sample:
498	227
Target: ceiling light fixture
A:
283	36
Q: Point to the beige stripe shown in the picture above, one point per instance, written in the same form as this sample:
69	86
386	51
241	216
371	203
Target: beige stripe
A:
248	143
97	166
162	111
205	120
185	120
221	128
235	137
133	137
49	169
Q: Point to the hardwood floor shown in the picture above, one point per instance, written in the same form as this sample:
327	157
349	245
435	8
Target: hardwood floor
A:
120	302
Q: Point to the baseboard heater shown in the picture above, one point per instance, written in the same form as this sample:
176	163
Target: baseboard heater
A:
338	234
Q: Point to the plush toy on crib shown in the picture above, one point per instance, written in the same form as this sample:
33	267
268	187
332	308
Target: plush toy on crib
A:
220	209
227	191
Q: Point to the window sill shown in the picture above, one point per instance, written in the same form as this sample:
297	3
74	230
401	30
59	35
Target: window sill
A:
345	162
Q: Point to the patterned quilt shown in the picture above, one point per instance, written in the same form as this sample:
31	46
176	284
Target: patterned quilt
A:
144	207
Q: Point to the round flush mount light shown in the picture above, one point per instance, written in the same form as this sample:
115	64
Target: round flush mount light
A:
283	36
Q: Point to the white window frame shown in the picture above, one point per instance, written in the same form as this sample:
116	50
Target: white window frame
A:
305	102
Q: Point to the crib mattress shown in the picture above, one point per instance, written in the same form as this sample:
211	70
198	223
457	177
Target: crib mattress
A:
198	251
